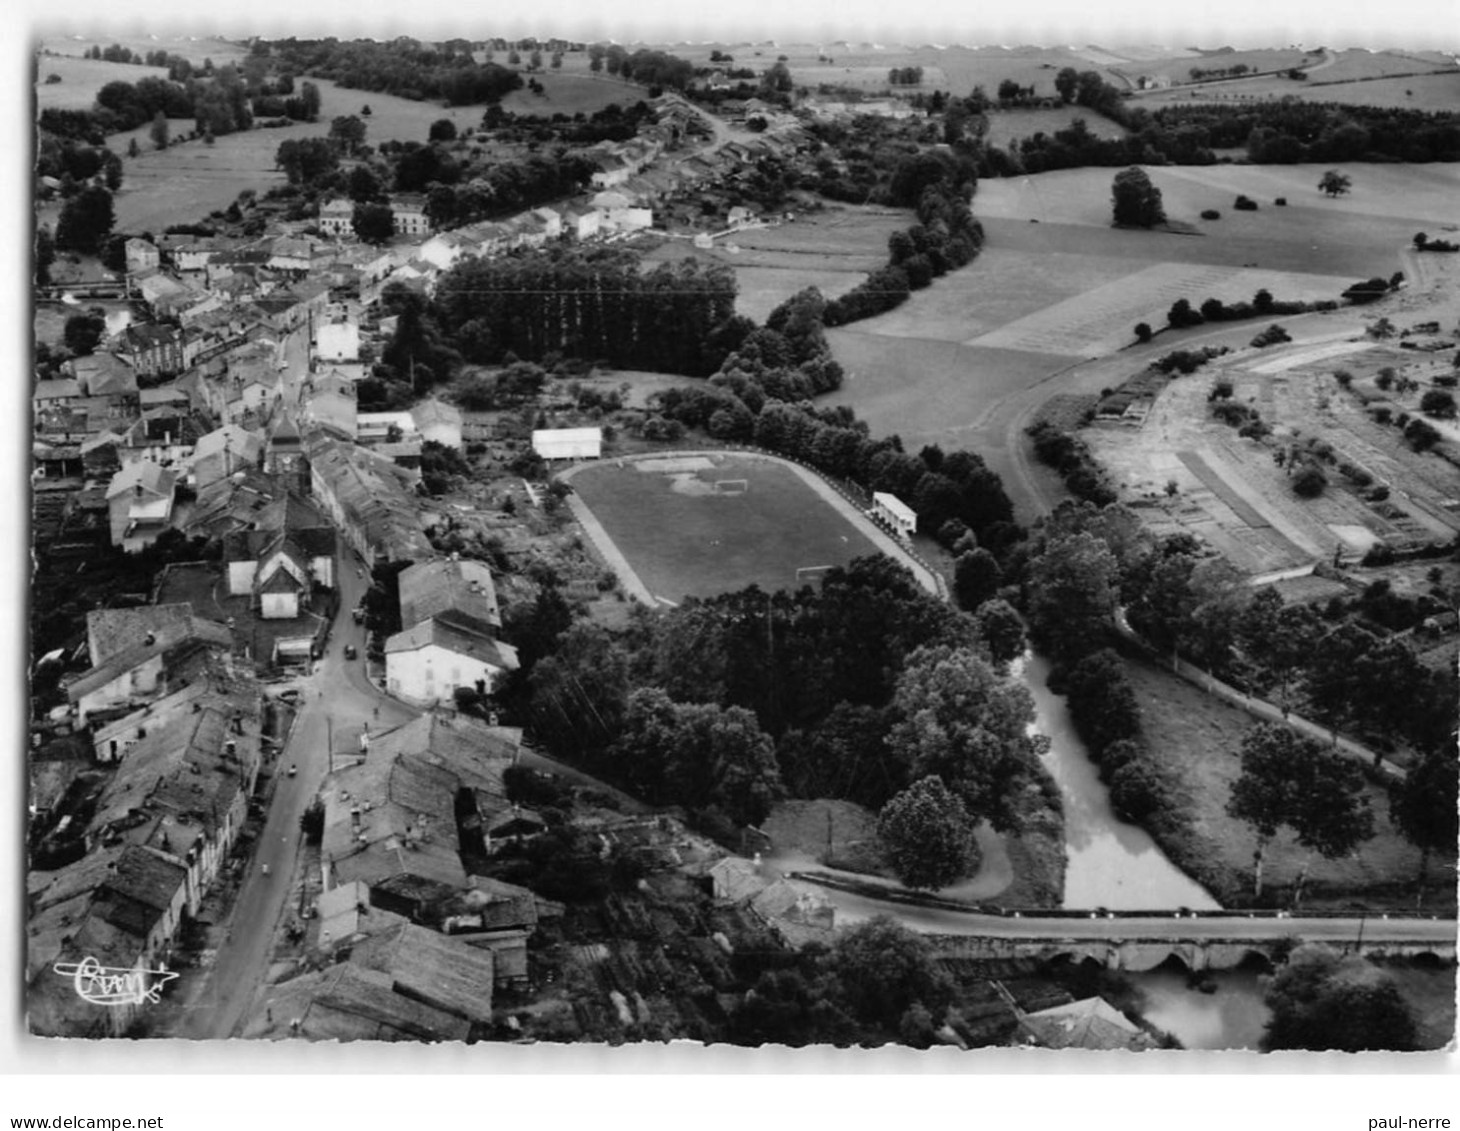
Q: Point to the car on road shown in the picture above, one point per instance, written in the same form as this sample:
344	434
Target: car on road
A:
350	652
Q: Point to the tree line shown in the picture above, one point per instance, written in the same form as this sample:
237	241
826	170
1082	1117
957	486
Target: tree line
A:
1282	132
588	303
402	67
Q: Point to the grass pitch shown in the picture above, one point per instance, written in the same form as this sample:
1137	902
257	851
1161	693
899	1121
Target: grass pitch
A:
684	538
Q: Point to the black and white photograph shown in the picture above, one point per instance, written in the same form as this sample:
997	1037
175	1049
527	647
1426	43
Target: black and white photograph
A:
748	537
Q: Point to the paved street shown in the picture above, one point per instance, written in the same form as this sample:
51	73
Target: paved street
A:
336	701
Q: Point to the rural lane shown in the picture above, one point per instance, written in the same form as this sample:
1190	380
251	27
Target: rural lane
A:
1261	708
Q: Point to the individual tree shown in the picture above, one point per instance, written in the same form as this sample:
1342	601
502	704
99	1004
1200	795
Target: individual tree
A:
1001	629
133	149
882	968
86	220
1071	595
158	130
1137	202
1439	403
373	223
1334	675
1289	781
347	133
698	755
580	692
976	578
1102	701
962	721
1143	332
1333	183
83	332
45	255
1423	807
1280	637
306	159
1322	1000
364	185
1309	482
1067	83
442	129
926	835
309	97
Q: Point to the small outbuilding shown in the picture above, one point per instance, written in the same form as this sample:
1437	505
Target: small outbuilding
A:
893	512
568	443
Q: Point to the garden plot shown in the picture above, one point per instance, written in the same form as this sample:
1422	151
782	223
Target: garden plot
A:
1230	491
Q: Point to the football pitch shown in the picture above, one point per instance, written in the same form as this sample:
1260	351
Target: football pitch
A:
699	525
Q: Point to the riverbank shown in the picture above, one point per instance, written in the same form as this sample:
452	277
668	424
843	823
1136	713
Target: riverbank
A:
1197	738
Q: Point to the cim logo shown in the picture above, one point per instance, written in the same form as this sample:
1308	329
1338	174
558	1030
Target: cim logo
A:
110	985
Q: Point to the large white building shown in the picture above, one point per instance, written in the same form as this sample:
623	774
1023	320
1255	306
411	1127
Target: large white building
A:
449	640
568	443
430	660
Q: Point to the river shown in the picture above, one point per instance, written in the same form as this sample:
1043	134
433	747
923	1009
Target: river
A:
1231	1016
1108	863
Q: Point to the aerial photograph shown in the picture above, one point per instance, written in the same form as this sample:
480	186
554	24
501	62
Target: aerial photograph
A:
766	541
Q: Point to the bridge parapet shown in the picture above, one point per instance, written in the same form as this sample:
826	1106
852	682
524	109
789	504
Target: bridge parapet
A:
1138	955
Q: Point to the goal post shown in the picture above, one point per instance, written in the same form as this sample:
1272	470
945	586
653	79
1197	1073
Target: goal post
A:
806	575
731	486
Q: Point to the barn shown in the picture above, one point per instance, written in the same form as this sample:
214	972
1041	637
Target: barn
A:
568	443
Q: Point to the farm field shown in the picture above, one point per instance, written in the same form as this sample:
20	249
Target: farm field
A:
935	392
1198	737
81	79
968	361
187	181
1008	125
833	249
684	538
1379	193
194	48
1426	91
1000	287
569	92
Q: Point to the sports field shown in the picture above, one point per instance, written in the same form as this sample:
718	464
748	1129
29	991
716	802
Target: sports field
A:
695	526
